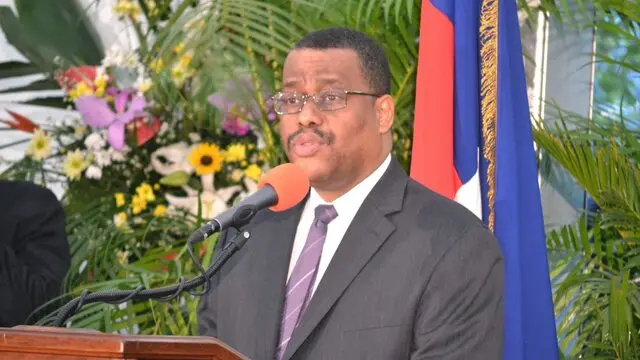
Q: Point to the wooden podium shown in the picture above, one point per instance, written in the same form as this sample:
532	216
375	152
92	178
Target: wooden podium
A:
40	343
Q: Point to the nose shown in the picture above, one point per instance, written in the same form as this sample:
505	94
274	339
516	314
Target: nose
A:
309	115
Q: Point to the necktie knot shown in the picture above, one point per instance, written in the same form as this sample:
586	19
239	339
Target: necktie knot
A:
326	213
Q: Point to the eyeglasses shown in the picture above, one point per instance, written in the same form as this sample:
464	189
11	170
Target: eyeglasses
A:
285	103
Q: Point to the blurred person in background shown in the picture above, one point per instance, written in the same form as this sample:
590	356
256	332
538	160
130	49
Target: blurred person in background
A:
34	252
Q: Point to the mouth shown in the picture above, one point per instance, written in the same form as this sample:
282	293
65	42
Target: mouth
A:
306	145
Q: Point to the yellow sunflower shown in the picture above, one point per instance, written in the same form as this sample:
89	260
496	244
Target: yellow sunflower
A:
206	159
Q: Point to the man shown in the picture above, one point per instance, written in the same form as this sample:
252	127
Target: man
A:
371	265
34	252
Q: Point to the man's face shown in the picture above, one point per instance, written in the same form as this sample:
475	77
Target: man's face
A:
334	147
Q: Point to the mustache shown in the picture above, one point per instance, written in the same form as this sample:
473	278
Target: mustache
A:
327	137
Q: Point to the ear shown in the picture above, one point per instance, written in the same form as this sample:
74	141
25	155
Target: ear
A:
385	111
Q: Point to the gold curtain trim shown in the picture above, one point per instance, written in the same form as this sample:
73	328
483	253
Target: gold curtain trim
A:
489	93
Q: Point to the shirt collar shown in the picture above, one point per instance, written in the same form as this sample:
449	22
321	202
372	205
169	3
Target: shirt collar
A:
349	203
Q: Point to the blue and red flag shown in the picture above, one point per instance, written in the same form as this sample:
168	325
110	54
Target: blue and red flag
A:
473	143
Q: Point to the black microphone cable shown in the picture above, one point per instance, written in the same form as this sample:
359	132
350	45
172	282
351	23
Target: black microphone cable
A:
162	294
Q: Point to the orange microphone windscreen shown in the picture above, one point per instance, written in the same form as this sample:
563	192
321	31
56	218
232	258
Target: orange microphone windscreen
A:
290	183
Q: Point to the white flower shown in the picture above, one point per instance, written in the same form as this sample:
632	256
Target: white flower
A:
163	128
93	172
143	85
100	71
260	143
95	141
117	156
210	202
118	58
79	131
120	219
176	159
102	158
194	137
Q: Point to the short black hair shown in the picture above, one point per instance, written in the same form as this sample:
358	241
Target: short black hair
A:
373	60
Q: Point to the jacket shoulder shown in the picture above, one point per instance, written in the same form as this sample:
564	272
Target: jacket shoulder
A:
438	208
26	197
440	219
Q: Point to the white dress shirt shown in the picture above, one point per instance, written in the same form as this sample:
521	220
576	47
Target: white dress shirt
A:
347	206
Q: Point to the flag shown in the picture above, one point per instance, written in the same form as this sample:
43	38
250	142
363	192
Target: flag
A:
472	142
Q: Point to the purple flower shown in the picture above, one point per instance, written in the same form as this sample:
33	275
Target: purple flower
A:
271	112
236	126
237	102
97	113
237	97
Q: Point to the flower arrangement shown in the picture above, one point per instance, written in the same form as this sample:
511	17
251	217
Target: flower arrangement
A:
155	133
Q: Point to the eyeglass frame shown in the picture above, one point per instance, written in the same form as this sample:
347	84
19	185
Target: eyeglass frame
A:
305	97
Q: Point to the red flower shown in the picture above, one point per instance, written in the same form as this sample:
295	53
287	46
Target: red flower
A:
146	129
170	256
21	123
68	79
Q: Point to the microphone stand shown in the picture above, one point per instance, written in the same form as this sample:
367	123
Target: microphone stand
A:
164	294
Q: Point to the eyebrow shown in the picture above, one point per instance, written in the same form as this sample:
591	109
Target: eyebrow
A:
320	80
289	83
329	81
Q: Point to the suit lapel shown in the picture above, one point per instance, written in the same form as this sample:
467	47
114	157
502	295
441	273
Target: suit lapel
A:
368	231
272	240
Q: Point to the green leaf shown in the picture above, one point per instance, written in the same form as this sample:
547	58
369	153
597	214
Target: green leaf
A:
16	68
64	27
177	179
44	84
17	36
55	102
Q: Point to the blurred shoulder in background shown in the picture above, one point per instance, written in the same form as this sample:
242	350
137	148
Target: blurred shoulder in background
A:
34	251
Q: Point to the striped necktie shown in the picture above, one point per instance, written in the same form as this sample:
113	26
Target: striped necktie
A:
303	276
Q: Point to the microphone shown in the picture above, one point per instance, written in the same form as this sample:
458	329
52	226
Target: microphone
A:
280	189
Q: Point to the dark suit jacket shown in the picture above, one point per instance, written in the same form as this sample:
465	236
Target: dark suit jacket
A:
34	252
416	276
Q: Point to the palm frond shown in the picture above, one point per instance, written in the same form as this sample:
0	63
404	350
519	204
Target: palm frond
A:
602	169
395	11
97	243
46	34
597	303
586	13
